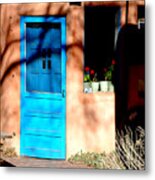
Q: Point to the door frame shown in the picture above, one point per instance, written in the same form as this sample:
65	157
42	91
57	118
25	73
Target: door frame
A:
41	19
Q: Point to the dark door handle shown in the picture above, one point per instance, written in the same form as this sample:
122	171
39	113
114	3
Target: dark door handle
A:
63	93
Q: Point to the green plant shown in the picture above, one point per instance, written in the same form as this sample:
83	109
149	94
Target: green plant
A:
94	77
108	72
90	75
87	74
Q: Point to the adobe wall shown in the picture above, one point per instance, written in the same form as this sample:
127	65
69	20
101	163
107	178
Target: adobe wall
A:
90	122
10	60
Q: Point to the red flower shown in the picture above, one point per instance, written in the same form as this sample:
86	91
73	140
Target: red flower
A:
87	69
113	62
92	72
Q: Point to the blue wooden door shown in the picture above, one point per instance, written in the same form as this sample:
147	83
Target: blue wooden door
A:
43	87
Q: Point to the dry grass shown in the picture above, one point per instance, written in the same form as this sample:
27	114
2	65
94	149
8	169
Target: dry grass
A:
131	148
5	148
9	152
130	153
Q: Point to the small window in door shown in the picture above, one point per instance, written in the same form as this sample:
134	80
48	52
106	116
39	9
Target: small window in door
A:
43	57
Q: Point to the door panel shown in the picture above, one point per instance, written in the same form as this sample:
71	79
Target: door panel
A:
38	149
43	83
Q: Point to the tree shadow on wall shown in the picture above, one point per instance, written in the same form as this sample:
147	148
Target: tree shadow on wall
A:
11	45
15	43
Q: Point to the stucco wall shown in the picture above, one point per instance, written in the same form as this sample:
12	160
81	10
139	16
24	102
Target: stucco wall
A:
10	58
90	118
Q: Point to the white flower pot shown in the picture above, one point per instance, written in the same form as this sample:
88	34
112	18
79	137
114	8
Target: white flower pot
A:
104	86
111	87
95	86
87	87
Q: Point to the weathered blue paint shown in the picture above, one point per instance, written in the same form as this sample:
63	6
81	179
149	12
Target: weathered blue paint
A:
118	22
43	87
